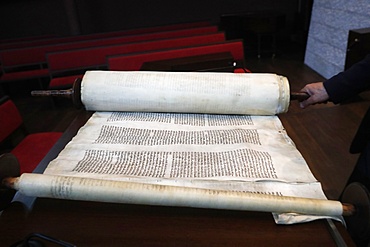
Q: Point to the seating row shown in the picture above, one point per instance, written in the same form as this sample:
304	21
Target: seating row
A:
62	63
26	63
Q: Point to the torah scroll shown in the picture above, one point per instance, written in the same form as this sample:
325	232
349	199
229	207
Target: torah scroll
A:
211	131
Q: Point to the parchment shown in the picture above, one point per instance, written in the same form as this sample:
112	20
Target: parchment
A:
220	152
187	92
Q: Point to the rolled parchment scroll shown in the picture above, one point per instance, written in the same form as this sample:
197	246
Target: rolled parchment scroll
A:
87	189
185	92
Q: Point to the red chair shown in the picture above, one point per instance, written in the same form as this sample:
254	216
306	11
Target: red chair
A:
29	148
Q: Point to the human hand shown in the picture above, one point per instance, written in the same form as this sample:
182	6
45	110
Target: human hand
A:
317	94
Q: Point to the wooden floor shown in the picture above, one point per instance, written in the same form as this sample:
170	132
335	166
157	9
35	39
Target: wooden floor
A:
322	133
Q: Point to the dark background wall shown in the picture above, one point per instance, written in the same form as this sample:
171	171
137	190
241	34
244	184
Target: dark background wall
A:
22	18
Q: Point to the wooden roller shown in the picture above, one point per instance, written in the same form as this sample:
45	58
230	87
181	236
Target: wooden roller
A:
73	93
299	96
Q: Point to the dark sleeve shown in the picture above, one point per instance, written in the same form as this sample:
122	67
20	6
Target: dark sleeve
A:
350	82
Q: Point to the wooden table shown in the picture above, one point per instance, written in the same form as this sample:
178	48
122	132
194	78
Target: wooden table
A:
106	224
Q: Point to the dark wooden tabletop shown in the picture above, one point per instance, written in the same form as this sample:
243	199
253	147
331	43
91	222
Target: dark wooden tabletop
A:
105	224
